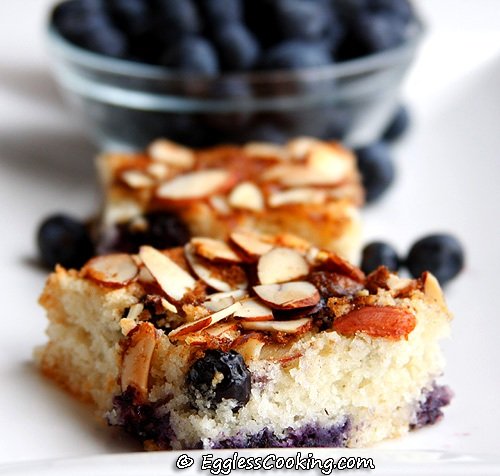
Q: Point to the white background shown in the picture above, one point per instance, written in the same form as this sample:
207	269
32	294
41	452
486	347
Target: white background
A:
449	179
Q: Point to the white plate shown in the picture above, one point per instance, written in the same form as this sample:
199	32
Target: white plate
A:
449	176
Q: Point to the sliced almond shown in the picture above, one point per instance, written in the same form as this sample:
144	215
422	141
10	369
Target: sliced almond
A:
168	306
158	170
432	289
281	265
204	322
286	327
247	196
300	147
250	243
249	346
126	325
216	302
223	332
145	277
214	279
136	179
335	163
173	280
253	310
111	270
134	311
220	205
297	196
215	250
194	186
333	262
172	154
137	356
266	150
288	295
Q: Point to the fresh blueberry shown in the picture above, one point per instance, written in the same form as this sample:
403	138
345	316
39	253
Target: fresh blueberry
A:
179	16
441	254
400	8
221	12
192	54
63	240
295	54
377	169
302	19
217	376
238	49
398	125
378	254
131	16
107	41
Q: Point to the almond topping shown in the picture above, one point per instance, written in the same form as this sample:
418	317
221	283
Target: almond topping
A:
288	295
334	163
376	321
300	146
136	179
281	265
115	270
136	362
249	346
265	150
172	154
333	262
216	302
298	176
195	185
174	281
250	243
286	327
297	196
215	250
247	196
253	310
432	289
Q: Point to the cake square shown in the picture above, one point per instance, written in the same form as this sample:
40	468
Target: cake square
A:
257	341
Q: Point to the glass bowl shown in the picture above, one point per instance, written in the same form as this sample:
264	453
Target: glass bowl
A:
126	105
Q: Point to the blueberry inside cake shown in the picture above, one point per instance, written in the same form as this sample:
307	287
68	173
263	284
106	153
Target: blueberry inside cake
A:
255	341
169	193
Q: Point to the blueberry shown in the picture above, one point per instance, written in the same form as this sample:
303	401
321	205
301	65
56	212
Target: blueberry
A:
179	16
302	19
377	169
400	8
379	254
221	12
63	240
192	54
441	254
398	125
106	41
131	16
238	49
217	376
295	54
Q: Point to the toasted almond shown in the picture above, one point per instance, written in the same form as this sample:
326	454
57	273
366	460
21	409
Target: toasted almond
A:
297	196
204	322
134	311
249	346
289	240
168	306
253	310
158	170
288	295
300	146
333	262
247	196
172	154
250	243
137	356
111	270
377	321
334	163
126	325
220	333
136	179
194	185
286	327
173	280
214	250
220	205
207	275
281	265
144	276
291	175
433	290
266	150
216	302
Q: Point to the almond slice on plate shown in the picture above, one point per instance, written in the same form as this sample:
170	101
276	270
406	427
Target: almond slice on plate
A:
377	321
297	196
250	243
173	280
204	322
288	295
287	327
281	265
253	310
115	270
247	196
136	179
213	276
215	250
194	185
139	348
171	153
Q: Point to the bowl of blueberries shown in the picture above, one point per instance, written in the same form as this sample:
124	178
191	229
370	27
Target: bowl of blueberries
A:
205	72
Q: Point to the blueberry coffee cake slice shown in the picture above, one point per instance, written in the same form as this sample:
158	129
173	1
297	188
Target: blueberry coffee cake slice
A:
169	193
257	341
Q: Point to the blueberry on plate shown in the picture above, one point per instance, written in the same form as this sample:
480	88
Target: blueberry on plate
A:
377	169
180	16
217	376
378	254
191	54
221	12
238	49
295	54
398	126
63	240
441	254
